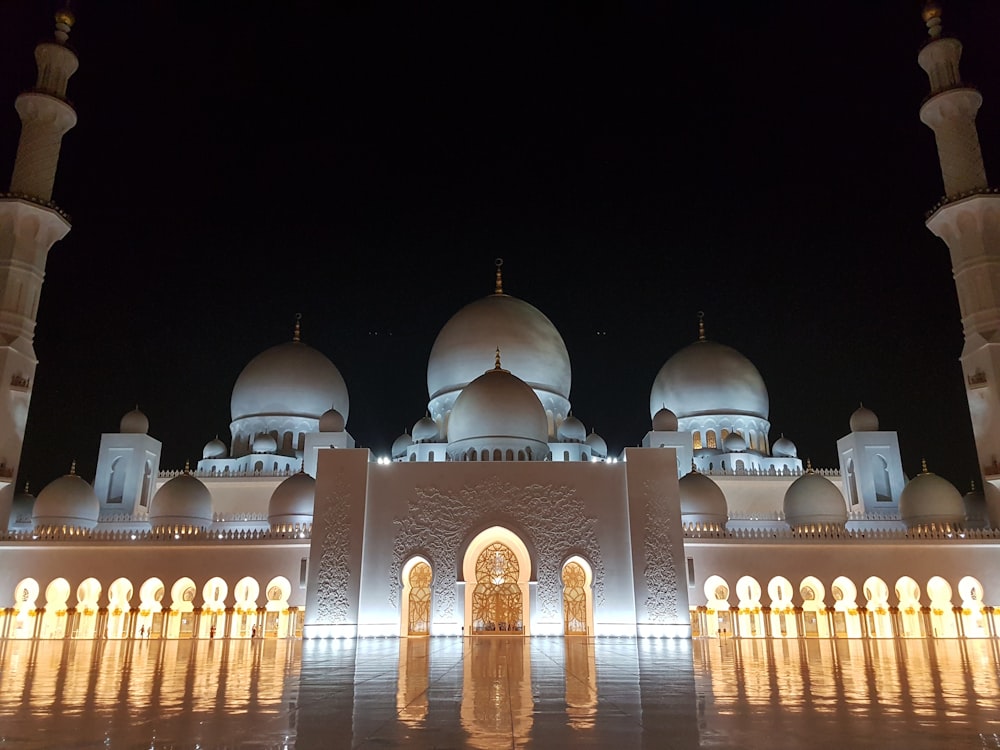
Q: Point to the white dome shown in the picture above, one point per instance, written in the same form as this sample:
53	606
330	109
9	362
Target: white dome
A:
290	379
813	499
401	444
784	448
292	501
976	516
928	498
531	346
264	443
702	500
498	404
331	421
709	378
67	501
182	501
598	446
571	430
734	443
214	449
864	420
425	430
134	422
664	420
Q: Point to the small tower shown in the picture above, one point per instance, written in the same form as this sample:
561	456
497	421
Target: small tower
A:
968	219
30	223
128	463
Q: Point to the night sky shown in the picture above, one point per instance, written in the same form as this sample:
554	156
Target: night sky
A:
364	163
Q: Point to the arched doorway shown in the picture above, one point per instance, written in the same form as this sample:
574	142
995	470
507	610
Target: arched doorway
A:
496	569
416	598
578	602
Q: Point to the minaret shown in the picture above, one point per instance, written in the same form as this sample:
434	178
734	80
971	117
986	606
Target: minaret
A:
968	219
30	223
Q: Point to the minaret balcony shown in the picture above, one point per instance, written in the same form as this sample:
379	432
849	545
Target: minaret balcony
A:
36	201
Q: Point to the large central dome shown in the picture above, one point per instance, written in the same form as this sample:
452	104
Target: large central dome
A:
290	379
709	378
532	348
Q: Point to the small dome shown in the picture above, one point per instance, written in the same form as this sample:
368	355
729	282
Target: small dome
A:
864	420
813	499
598	447
784	448
182	501
425	430
665	420
702	500
214	449
264	443
292	501
498	405
571	430
734	443
21	508
67	501
400	445
928	498
134	422
331	421
976	516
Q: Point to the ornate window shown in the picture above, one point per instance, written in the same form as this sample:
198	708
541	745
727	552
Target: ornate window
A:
496	600
419	619
574	580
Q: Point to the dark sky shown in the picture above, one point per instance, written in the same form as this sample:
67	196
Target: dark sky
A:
363	163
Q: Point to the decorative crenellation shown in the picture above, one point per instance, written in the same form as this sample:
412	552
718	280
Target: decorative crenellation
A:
439	521
660	573
333	576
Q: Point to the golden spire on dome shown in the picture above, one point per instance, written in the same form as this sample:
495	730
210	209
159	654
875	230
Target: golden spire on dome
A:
187	466
64	22
297	333
932	17
701	325
923	466
809	466
496	364
72	468
498	284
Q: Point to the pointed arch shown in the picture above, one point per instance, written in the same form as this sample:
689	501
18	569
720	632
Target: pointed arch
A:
496	568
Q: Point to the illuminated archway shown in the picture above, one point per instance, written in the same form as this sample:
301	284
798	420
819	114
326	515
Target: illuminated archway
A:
25	604
415	605
719	618
783	622
246	592
87	595
181	621
497	568
750	619
119	598
578	597
814	620
974	623
150	624
908	595
876	593
54	620
943	623
213	610
846	618
277	617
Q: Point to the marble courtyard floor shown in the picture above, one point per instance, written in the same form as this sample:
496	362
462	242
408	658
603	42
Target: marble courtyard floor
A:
500	692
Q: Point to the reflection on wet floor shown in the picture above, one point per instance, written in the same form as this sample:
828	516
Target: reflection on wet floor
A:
500	691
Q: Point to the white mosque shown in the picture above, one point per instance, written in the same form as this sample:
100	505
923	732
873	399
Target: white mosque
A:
498	512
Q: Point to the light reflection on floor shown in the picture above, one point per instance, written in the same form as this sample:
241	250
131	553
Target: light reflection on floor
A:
491	692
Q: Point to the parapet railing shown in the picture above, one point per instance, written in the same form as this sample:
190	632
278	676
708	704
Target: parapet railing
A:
179	534
713	531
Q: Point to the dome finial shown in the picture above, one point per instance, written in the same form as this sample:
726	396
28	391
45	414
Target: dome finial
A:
297	333
809	466
498	285
26	490
496	364
72	467
923	466
64	22
701	325
932	17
